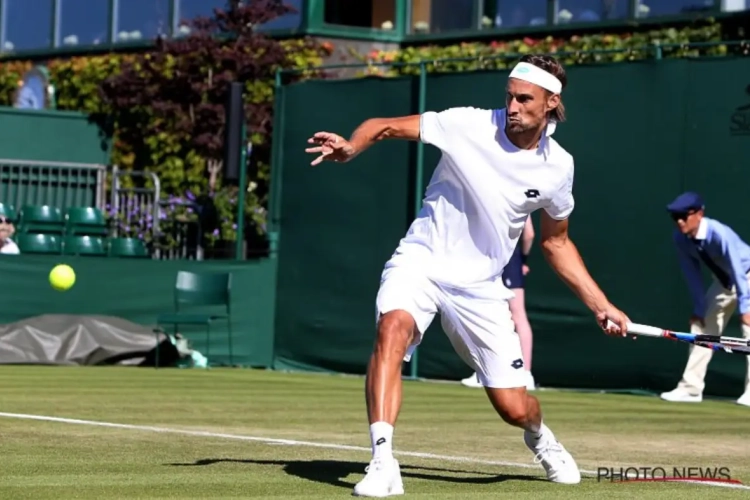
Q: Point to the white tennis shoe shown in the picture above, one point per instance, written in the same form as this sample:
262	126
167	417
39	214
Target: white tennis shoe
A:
681	396
383	479
744	400
472	381
557	462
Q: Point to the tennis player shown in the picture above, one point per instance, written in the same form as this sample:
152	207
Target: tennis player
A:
701	239
514	277
497	167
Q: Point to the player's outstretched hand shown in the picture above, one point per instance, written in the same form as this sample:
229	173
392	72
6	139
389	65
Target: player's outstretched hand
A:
330	147
613	321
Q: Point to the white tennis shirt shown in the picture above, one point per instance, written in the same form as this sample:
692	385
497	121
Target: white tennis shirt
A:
479	197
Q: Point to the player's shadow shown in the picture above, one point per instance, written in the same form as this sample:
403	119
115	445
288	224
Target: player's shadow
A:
334	472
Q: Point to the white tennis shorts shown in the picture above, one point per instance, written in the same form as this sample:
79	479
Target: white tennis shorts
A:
476	320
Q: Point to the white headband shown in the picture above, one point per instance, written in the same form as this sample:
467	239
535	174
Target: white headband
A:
537	76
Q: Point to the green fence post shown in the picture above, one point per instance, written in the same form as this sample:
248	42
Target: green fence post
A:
657	51
277	153
418	185
241	192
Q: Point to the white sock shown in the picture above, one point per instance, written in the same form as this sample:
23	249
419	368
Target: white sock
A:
381	436
543	432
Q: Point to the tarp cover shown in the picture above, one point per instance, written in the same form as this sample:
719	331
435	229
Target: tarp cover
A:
82	340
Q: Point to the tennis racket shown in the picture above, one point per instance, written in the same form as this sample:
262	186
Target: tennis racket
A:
733	345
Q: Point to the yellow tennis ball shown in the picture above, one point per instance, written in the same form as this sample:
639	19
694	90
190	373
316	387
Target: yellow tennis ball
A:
62	277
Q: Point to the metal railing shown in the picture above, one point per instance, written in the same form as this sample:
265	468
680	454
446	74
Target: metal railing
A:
135	209
184	232
60	184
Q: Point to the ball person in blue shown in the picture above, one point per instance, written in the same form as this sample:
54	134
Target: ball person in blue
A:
702	240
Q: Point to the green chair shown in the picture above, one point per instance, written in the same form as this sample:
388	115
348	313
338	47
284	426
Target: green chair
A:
8	211
199	289
84	245
88	221
128	247
38	243
42	219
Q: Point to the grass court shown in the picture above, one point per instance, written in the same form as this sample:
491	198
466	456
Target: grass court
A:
231	433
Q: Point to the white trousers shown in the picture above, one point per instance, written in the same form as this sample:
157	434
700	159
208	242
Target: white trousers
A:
476	320
720	305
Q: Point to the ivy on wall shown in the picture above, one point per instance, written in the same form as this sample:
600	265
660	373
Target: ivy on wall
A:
165	105
701	39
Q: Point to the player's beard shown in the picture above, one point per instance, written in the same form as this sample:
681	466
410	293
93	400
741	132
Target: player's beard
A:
517	127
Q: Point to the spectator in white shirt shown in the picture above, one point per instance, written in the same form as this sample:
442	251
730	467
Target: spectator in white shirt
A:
7	245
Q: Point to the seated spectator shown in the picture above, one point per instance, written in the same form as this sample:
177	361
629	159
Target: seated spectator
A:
7	245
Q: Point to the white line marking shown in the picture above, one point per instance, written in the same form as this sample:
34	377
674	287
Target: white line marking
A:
291	442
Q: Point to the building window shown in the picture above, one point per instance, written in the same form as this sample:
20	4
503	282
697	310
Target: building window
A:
591	11
440	16
83	22
28	25
734	5
142	20
518	13
378	14
658	8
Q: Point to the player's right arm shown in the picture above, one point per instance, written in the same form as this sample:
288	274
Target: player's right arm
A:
437	129
333	147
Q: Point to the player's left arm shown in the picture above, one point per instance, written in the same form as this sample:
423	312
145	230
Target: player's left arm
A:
564	258
730	251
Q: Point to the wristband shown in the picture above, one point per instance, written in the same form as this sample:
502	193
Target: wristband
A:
524	257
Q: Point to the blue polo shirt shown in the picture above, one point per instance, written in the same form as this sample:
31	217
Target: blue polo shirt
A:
724	253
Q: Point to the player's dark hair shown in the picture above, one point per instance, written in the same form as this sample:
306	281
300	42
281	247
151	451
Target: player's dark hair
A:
553	66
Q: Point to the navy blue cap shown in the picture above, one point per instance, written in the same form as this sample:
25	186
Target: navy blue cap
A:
686	202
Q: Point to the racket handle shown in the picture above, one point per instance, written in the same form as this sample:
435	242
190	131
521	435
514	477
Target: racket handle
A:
648	331
645	330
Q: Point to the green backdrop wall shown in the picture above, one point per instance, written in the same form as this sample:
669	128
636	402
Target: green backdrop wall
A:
139	290
62	136
640	133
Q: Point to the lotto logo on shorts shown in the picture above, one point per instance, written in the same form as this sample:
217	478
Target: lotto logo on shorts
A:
517	364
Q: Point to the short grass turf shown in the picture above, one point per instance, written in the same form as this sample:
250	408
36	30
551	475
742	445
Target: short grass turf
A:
455	446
